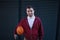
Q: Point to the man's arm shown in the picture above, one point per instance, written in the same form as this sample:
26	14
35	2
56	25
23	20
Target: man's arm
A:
15	33
40	31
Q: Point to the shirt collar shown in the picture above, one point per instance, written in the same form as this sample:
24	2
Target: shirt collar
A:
31	17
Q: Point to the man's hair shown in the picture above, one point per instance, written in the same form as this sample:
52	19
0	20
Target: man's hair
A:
29	6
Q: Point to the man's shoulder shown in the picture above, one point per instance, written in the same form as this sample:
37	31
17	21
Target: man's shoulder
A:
24	18
38	18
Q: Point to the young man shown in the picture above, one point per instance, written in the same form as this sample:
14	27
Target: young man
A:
33	29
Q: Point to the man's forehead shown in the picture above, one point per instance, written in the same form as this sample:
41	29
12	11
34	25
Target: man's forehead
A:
29	8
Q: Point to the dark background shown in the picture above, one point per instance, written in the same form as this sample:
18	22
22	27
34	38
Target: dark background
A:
11	11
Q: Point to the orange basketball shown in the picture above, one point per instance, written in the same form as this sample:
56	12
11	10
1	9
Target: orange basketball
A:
20	30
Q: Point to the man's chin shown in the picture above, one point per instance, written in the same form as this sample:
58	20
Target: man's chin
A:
30	16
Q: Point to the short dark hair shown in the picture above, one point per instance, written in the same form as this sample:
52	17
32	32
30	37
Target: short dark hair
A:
29	6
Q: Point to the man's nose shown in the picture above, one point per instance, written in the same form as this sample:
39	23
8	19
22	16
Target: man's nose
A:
30	12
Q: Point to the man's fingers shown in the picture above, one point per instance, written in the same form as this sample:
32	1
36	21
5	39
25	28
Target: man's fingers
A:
15	36
24	38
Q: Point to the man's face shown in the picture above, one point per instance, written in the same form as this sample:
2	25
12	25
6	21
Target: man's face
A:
30	11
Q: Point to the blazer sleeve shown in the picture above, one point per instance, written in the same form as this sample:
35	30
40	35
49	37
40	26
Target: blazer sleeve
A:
41	30
20	23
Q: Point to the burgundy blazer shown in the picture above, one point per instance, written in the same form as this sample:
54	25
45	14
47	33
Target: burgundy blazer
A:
35	33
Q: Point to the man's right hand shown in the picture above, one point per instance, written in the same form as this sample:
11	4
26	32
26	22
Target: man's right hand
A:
15	36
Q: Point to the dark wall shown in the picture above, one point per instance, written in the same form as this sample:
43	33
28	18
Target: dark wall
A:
9	11
10	14
47	11
58	24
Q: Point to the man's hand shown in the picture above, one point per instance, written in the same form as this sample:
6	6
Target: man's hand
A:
15	36
24	38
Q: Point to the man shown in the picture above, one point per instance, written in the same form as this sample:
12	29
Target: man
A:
33	29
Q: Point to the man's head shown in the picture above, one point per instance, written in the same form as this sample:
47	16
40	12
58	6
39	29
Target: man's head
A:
30	11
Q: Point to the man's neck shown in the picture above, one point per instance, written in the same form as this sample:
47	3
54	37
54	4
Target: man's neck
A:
31	16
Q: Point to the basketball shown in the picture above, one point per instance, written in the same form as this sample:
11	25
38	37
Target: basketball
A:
20	30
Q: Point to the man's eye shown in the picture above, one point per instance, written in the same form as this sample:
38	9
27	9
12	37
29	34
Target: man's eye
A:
31	10
28	11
